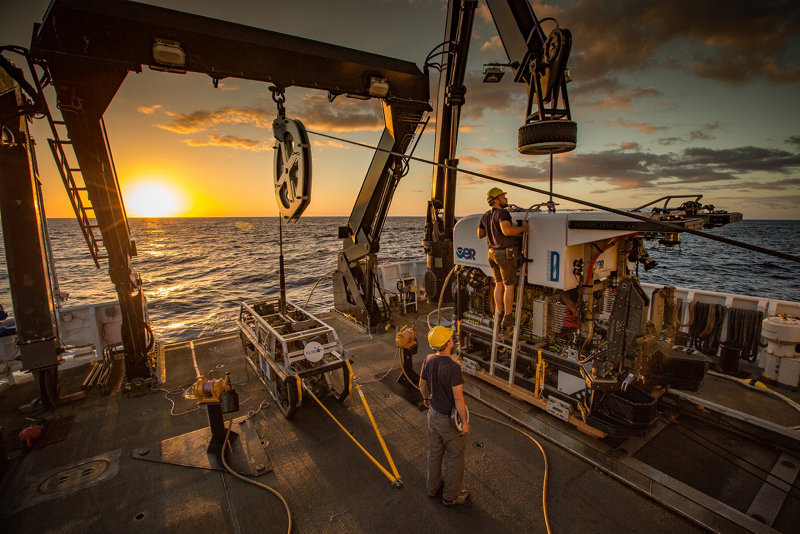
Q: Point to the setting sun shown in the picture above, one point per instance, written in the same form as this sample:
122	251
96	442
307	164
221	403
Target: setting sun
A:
154	199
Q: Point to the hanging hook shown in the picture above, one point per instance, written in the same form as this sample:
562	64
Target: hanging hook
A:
279	97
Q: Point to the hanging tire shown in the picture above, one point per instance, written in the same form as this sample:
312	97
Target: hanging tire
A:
543	137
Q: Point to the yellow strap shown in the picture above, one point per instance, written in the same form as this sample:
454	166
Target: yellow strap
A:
374	461
372	420
539	372
299	390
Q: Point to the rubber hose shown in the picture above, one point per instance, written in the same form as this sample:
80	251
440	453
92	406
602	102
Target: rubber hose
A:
679	308
712	309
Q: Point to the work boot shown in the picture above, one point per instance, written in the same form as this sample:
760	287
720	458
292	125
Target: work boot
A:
508	321
461	498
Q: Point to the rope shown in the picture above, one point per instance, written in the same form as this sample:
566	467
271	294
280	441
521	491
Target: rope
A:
757	385
665	225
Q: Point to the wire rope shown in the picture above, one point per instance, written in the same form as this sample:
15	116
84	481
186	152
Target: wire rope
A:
662	224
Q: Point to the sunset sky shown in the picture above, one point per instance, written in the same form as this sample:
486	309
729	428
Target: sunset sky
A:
670	96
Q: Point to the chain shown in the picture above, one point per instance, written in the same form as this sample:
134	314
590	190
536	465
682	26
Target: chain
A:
279	97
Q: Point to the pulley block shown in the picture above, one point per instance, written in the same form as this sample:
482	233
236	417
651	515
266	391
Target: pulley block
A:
292	165
556	52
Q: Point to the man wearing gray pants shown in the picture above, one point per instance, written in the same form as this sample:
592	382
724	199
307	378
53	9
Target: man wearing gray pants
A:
441	385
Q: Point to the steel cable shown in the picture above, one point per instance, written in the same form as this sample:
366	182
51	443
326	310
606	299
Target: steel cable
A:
665	225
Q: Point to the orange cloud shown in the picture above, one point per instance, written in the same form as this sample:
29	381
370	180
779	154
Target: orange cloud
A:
641	126
232	141
148	110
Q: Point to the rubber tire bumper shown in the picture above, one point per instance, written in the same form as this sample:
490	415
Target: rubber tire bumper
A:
543	137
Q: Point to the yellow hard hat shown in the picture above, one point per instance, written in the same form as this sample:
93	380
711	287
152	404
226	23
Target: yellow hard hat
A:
438	337
493	193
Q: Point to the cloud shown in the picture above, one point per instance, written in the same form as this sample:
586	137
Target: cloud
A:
342	115
641	126
505	97
484	14
232	141
322	143
667	141
596	86
316	113
630	145
148	110
629	168
622	99
199	121
778	185
782	202
704	37
485	151
493	45
794	140
702	133
468	160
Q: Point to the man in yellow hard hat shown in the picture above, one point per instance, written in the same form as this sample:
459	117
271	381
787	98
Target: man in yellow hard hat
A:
498	229
441	385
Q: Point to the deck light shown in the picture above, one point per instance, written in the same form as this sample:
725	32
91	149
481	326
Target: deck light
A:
492	73
169	53
378	87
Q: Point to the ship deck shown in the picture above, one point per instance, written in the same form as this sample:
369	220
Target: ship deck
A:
332	487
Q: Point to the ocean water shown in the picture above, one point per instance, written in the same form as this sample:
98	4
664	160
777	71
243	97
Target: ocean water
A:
196	272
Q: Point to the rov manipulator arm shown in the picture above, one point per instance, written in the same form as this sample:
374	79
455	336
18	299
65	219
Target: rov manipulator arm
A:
88	48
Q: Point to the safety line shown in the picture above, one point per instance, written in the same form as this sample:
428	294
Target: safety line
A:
669	226
395	480
354	378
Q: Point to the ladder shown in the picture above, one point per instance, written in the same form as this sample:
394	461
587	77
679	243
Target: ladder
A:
67	164
77	192
498	338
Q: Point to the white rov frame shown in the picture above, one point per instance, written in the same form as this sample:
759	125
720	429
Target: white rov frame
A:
285	357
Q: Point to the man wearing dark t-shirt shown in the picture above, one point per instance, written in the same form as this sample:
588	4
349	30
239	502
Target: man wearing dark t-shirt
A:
498	229
441	385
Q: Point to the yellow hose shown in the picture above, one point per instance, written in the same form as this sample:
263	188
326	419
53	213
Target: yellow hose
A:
544	456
